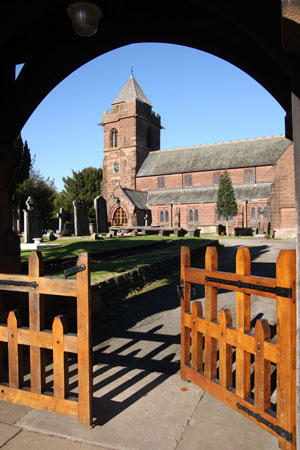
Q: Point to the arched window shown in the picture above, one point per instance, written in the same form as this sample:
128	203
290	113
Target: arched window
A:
120	217
166	216
265	213
258	212
161	216
253	213
191	215
114	138
196	215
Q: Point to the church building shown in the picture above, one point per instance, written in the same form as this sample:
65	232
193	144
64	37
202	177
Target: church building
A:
144	185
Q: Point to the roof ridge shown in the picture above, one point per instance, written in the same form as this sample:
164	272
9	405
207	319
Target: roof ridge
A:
218	143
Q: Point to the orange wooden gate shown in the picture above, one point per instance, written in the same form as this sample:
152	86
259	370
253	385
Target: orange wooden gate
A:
208	343
59	341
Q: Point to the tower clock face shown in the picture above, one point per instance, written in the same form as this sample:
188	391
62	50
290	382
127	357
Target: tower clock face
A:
116	167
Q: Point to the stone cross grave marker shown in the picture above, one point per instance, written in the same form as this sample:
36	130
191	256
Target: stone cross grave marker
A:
61	220
32	221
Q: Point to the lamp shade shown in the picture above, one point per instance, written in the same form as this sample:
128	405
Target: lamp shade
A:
85	17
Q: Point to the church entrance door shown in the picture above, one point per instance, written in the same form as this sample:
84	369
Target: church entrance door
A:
120	217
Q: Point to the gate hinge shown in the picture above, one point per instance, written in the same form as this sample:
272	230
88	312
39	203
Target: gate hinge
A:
73	270
278	430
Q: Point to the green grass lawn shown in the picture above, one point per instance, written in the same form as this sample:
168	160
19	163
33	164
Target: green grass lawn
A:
113	267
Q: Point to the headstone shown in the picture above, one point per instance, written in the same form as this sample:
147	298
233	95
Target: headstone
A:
101	214
177	218
146	219
32	221
261	223
61	221
81	224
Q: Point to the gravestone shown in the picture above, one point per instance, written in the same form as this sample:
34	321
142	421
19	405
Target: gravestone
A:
81	224
261	223
32	221
101	214
146	219
177	218
61	221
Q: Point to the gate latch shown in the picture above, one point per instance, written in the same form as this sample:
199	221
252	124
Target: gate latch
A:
73	270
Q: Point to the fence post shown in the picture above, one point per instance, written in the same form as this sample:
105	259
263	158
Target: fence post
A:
60	358
197	338
36	322
225	350
15	351
262	367
243	359
85	391
286	346
185	308
211	311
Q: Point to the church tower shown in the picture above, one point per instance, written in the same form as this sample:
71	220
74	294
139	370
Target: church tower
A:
131	130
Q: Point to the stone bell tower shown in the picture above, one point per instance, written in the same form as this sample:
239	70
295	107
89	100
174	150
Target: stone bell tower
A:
131	130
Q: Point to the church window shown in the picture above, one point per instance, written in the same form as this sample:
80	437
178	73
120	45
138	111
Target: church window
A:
253	213
258	212
161	182
196	215
249	176
116	167
191	215
265	213
114	138
217	176
188	181
166	216
161	216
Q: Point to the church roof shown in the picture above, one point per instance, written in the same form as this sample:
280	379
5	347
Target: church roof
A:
131	91
228	155
208	194
139	199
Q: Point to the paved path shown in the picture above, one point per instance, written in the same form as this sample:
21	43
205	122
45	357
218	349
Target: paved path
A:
140	402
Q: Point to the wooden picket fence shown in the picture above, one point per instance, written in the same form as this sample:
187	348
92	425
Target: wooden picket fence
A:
208	343
59	341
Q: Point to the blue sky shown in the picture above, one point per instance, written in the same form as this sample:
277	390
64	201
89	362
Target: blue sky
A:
202	99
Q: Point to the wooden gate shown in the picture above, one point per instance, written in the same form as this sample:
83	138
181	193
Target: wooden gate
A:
209	343
59	341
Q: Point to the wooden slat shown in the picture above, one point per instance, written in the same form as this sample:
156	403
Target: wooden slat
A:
185	307
41	339
51	286
84	342
39	401
36	322
225	350
243	359
230	399
198	276
286	346
211	311
60	360
197	338
15	355
262	367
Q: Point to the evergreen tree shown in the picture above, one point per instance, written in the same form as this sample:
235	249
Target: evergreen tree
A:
22	170
83	185
226	202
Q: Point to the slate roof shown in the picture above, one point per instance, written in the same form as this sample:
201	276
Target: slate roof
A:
208	194
131	91
248	153
139	199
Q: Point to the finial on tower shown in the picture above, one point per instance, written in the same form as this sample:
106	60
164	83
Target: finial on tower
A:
131	70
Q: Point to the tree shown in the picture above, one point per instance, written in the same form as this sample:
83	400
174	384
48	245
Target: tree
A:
226	202
22	170
42	190
83	185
